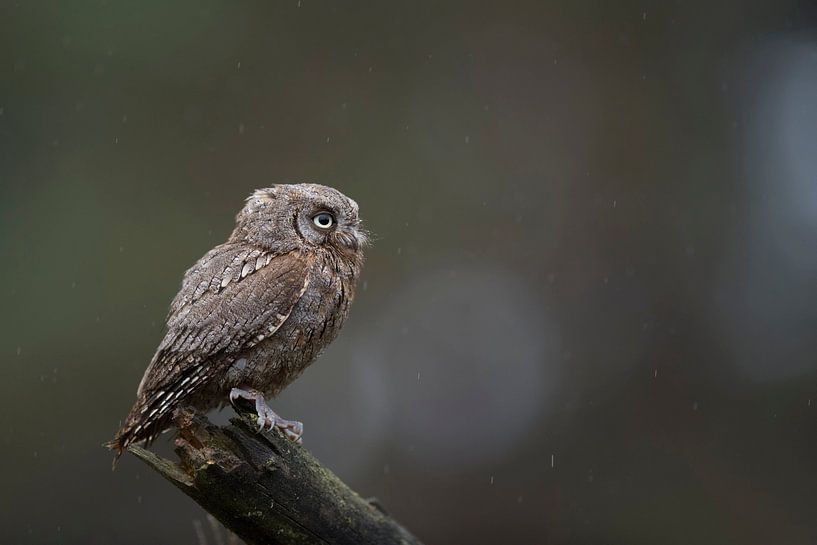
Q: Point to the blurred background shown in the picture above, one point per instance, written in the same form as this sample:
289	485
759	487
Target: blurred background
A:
589	313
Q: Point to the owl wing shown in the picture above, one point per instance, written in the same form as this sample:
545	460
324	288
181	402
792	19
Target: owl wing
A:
232	299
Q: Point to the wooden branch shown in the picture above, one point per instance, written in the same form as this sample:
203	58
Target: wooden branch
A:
267	489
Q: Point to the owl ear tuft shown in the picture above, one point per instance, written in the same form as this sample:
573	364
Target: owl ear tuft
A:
263	195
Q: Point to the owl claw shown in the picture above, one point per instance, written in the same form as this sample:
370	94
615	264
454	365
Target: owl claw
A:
262	423
292	429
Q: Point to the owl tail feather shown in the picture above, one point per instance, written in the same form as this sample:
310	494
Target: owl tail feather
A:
127	435
153	411
137	428
118	445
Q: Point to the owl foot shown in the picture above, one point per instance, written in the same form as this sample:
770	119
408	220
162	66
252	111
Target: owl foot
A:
267	418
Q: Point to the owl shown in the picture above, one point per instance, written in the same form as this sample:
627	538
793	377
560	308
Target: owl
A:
254	312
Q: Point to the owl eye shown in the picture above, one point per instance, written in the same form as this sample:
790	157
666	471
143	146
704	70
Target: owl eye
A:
324	220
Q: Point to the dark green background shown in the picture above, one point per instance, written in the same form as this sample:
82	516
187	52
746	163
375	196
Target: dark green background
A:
589	312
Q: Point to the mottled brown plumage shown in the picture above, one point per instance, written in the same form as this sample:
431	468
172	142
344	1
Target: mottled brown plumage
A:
254	312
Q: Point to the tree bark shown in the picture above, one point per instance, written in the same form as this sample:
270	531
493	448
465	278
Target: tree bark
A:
267	489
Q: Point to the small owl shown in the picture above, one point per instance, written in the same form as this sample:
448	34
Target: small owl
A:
254	312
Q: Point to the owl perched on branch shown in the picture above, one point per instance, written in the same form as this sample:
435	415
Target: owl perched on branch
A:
254	312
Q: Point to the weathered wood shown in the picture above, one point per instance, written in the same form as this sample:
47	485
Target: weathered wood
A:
268	490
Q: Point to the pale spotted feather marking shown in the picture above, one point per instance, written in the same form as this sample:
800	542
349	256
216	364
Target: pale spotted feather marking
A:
242	266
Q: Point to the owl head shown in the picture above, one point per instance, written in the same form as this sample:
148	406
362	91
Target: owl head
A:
286	217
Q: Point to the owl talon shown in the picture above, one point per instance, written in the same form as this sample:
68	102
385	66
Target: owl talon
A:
292	429
262	423
234	394
292	436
